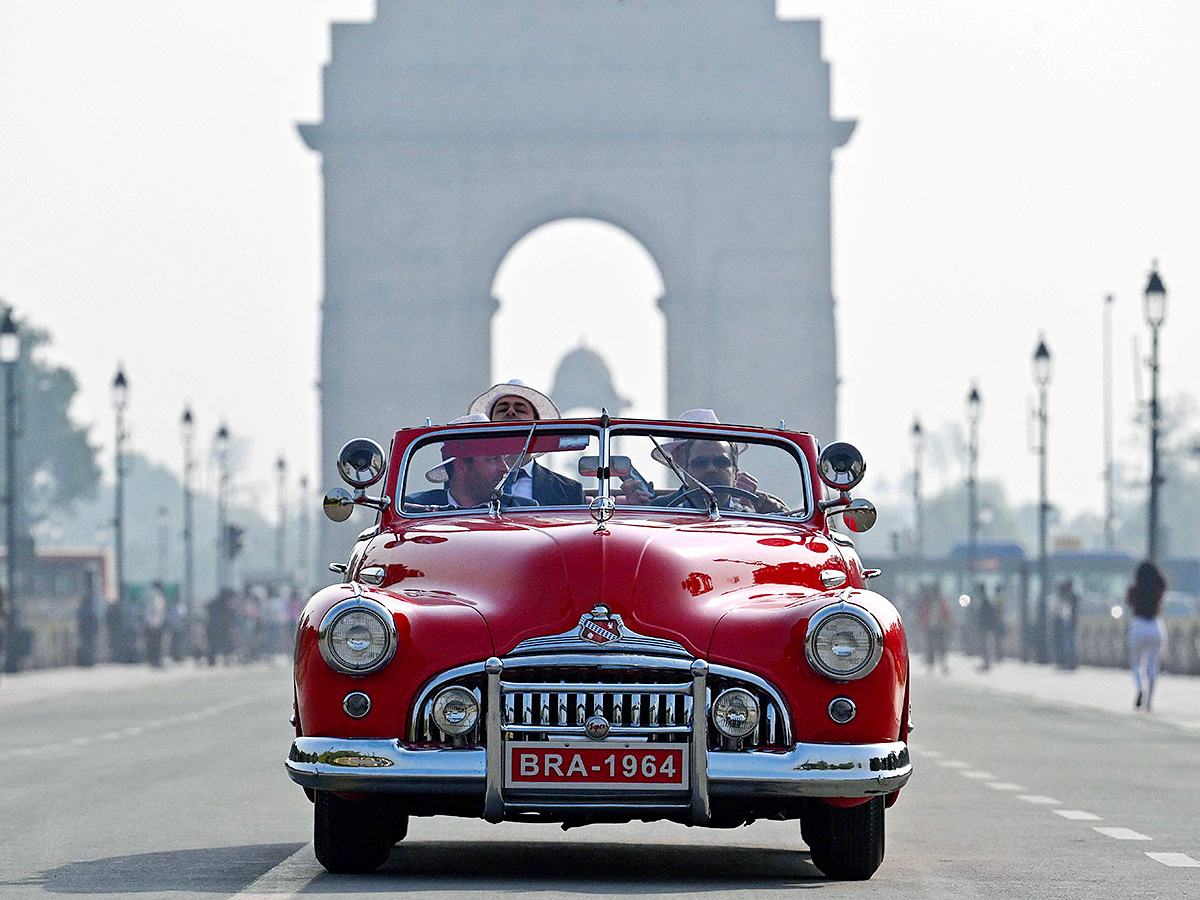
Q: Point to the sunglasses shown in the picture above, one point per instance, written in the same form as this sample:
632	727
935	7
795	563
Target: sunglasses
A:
716	462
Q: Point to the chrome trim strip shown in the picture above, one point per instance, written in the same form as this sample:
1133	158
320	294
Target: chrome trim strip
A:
614	730
590	687
844	608
807	770
701	809
493	799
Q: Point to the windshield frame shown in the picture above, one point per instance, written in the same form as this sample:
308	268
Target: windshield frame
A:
518	428
670	429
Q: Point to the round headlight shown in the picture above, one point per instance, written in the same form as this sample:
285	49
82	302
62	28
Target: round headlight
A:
844	642
455	710
735	713
357	636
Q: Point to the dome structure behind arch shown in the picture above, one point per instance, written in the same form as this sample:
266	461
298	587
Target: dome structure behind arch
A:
582	380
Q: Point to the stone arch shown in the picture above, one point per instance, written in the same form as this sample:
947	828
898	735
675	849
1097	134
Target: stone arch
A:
453	127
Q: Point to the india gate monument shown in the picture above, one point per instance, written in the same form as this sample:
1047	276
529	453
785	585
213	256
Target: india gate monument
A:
453	128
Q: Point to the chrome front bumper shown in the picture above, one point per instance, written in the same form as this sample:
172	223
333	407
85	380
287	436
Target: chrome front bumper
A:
806	770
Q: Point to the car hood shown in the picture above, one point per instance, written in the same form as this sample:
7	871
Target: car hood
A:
667	577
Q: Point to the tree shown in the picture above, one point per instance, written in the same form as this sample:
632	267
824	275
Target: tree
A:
56	460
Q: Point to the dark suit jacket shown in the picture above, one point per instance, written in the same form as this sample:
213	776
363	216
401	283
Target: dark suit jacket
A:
440	497
552	489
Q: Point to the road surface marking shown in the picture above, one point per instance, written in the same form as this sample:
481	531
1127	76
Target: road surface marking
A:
1122	834
1040	799
1078	815
1178	860
1004	786
978	776
285	880
953	764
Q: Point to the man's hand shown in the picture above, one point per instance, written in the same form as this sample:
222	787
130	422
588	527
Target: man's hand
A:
635	494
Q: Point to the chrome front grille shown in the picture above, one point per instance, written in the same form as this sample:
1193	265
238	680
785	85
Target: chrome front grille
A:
548	698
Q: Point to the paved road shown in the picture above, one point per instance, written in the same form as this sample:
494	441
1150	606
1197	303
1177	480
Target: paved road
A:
125	782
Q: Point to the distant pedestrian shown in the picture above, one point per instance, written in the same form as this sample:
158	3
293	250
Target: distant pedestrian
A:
87	620
936	622
987	620
1146	633
154	621
1066	617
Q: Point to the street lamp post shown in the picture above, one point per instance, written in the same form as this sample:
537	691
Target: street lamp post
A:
918	445
10	353
1156	312
974	407
120	395
222	447
281	524
1041	377
187	427
302	561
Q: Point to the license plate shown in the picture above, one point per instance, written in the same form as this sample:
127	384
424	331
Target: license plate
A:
628	765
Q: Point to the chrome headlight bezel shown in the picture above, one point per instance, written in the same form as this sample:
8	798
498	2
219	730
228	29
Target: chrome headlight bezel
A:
357	604
822	619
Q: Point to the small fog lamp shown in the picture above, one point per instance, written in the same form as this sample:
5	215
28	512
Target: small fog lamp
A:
455	711
357	704
735	713
842	710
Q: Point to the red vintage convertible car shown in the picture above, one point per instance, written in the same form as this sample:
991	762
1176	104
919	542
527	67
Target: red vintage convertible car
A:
687	639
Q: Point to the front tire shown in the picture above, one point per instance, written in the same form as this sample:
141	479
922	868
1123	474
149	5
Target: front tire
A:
354	836
847	843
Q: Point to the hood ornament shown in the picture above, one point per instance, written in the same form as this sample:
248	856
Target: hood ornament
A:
600	626
602	509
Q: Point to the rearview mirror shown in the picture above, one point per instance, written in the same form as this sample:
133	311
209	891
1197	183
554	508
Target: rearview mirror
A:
620	466
338	505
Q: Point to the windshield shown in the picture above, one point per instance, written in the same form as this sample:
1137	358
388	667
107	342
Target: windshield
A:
739	473
690	470
462	469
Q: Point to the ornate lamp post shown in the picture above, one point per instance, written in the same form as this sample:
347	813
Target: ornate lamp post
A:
120	396
222	449
974	408
10	353
281	524
1041	378
187	428
1156	312
918	445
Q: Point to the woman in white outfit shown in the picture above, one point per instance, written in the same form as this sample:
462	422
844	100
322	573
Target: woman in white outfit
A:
1146	633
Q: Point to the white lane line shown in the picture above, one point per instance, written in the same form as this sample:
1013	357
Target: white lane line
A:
1077	815
1039	799
929	754
978	776
285	880
953	764
1122	834
1177	860
1004	786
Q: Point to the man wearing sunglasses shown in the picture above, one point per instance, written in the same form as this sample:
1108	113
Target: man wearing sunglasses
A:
715	465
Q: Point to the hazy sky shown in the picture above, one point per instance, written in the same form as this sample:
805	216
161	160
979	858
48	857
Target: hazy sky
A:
1012	165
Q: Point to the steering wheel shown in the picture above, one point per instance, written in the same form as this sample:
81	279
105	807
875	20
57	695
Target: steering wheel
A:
716	489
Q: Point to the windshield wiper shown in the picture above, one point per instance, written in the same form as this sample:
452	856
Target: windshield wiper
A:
684	477
498	490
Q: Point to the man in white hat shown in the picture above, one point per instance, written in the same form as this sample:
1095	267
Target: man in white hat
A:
515	401
469	470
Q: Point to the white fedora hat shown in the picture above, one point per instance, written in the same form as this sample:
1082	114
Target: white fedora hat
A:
542	405
440	474
699	417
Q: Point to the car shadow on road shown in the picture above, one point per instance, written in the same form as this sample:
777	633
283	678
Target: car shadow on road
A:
600	868
209	870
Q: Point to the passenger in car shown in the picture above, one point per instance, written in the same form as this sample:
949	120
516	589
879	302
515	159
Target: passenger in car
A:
515	401
469	474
